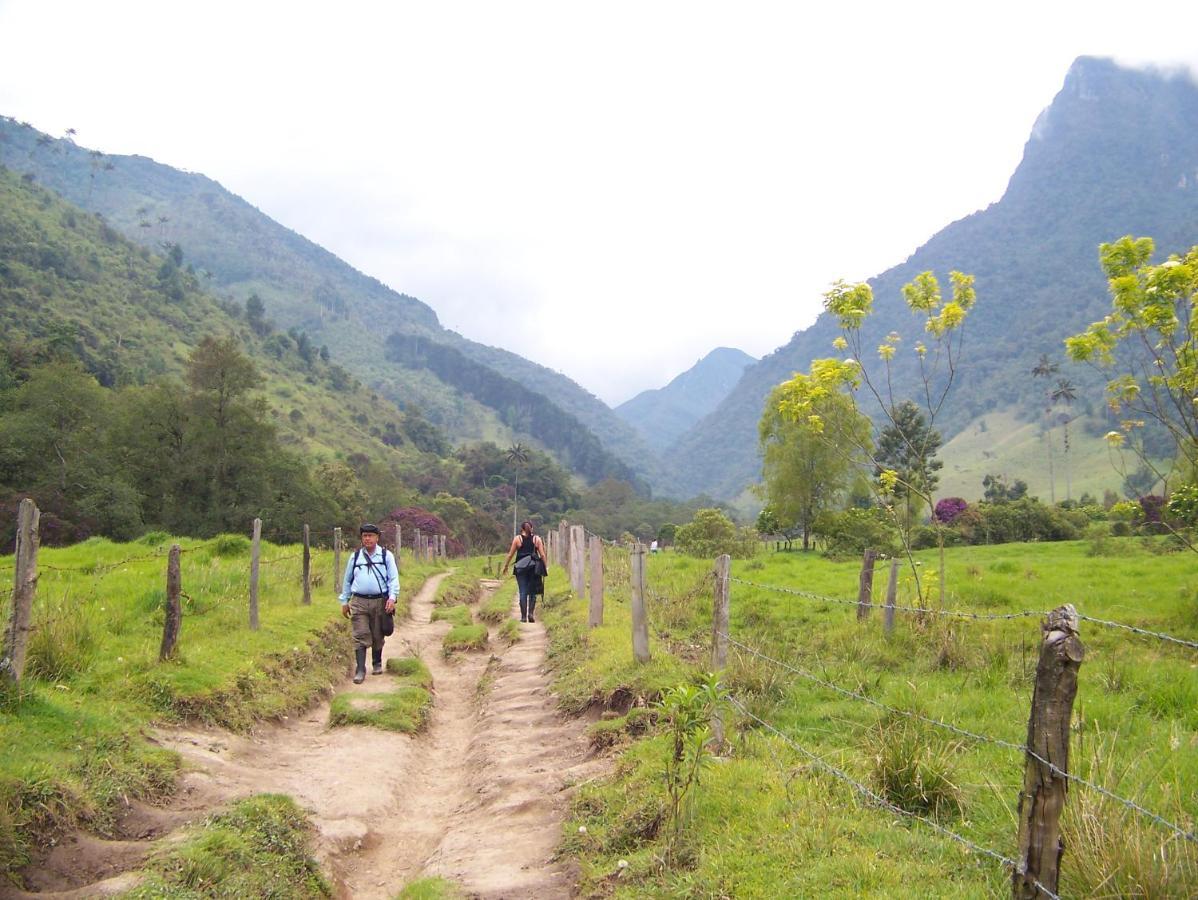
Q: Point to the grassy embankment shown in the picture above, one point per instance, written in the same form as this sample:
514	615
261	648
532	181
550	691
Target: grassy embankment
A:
768	822
72	747
405	708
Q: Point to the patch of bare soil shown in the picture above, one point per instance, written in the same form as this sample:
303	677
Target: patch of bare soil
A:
478	797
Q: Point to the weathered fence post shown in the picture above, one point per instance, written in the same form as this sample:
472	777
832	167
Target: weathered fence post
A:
891	597
337	573
640	620
595	618
307	566
563	540
578	560
174	609
24	590
254	554
1044	780
719	637
865	593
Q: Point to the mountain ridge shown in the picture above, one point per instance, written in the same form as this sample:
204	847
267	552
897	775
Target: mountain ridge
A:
662	414
304	286
1111	155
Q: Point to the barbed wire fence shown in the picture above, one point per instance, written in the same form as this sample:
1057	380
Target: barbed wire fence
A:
1033	870
26	616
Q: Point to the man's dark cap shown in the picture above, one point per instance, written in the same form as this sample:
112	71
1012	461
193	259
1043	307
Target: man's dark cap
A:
369	529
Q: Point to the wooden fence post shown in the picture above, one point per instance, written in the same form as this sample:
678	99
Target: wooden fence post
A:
1044	787
719	636
595	619
563	539
255	550
337	573
174	609
640	620
307	566
24	590
578	560
891	597
865	592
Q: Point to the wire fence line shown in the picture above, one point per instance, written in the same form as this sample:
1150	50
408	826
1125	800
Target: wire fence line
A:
961	614
1155	818
1143	631
878	800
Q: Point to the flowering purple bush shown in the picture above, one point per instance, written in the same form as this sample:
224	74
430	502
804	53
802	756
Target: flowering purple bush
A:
414	518
948	509
1151	507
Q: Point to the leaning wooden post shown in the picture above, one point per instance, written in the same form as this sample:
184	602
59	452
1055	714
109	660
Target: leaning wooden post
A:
174	609
578	560
24	590
719	637
337	573
307	567
595	619
254	554
1045	781
865	592
640	619
891	597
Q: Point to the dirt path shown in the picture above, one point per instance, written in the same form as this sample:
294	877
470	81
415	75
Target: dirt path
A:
478	797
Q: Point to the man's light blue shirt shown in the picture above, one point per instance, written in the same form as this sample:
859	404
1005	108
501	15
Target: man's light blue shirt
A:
361	579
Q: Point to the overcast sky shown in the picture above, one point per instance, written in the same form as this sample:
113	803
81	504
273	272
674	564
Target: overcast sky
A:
611	189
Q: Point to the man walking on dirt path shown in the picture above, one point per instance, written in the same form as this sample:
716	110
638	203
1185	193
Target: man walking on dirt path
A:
367	592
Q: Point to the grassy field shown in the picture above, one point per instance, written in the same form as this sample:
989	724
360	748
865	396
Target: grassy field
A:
770	820
71	746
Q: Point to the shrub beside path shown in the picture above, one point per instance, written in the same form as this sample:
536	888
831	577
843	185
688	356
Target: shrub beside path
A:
479	797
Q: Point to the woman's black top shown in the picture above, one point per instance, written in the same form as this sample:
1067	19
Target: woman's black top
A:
526	548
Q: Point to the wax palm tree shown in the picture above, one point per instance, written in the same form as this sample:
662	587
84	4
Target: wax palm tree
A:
1045	368
1065	393
517	455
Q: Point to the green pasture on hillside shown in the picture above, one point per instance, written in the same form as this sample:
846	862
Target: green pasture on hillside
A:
71	745
769	820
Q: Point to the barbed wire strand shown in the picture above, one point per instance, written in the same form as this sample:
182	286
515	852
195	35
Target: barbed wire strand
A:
878	800
1178	830
1144	631
960	614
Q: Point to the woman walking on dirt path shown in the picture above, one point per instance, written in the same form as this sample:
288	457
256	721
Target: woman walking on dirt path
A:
527	548
367	592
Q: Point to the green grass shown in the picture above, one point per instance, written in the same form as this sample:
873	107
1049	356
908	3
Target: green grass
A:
509	631
404	709
456	615
767	822
465	637
430	889
259	848
71	745
459	588
498	606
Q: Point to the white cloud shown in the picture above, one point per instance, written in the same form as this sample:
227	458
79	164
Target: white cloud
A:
610	190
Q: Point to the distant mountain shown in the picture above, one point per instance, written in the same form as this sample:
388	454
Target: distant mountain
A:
663	414
239	250
1116	153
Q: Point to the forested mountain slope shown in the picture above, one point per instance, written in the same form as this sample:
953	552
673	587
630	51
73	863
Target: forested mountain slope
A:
239	251
662	415
1115	153
74	290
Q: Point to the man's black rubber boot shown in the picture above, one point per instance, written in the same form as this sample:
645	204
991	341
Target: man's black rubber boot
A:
376	659
360	671
532	604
